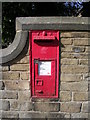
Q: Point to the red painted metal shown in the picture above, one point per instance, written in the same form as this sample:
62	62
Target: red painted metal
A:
44	50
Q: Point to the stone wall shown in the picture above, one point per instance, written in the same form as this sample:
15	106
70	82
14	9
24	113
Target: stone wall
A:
73	93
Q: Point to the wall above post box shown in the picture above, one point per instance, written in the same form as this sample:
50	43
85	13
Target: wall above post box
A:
24	24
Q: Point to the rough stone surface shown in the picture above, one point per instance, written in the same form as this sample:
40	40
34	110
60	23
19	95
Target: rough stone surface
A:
8	95
80	96
65	96
10	115
79	115
71	107
66	41
44	115
24	95
10	75
5	105
20	67
17	85
74	69
71	77
24	76
83	62
85	107
76	35
46	107
74	86
81	41
66	61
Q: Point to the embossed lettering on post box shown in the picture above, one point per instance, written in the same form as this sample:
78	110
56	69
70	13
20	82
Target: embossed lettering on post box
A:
44	63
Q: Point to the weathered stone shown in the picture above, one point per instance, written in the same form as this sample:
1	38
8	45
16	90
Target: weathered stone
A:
81	41
74	55
24	60
20	67
66	41
8	95
17	85
71	107
26	106
14	105
32	115
85	107
66	61
10	114
83	62
46	107
5	105
71	77
74	69
65	96
67	116
24	95
74	86
75	34
79	115
10	75
66	48
2	85
78	49
80	96
21	106
43	115
24	76
5	68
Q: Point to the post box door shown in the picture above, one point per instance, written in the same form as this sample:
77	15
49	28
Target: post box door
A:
45	77
44	63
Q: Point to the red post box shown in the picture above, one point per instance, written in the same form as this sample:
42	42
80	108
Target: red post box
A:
44	63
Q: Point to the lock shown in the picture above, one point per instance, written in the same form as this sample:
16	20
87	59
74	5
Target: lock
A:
44	63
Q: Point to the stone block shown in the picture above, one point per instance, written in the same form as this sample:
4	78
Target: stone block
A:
32	115
24	95
14	105
26	106
85	107
74	55
42	115
66	61
17	85
24	76
79	115
66	48
71	77
4	105
74	86
70	107
74	69
66	41
46	107
5	68
80	41
83	62
75	34
10	75
65	96
19	67
8	95
80	96
10	114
